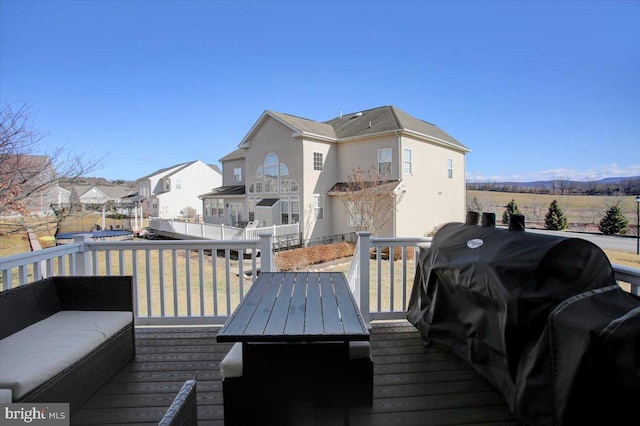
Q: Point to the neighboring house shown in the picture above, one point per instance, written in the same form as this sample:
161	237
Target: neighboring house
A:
289	169
168	193
97	197
29	185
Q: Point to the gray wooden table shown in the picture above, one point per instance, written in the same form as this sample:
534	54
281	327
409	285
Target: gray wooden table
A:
296	307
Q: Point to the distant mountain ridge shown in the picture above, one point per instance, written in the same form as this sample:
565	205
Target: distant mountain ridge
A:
551	182
623	185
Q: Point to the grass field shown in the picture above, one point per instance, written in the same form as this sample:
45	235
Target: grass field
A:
579	209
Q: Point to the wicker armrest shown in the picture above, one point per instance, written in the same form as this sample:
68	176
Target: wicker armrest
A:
183	409
27	304
91	293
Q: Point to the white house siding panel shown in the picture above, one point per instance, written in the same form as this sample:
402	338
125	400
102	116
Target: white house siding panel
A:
149	187
194	180
431	198
273	137
319	182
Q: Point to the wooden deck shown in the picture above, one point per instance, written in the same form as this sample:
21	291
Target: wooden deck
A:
413	385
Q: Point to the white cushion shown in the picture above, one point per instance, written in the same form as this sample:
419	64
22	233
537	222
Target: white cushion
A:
37	353
231	365
359	350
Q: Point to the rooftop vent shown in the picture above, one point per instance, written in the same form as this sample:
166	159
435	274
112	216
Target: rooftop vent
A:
356	115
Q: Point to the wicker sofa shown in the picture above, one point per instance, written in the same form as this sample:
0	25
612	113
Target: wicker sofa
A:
62	338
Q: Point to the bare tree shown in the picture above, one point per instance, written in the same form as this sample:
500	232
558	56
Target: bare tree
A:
476	205
370	199
27	174
189	213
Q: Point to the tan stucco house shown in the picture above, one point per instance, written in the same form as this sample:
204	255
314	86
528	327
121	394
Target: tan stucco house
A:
286	169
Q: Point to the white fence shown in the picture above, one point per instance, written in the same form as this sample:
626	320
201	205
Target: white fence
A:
283	235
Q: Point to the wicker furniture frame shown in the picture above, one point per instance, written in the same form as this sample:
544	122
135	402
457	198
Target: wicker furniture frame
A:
28	304
183	411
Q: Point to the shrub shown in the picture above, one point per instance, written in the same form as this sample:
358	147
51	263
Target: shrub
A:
512	208
298	258
613	222
555	218
397	253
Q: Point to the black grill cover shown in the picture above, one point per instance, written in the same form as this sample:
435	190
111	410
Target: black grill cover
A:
489	293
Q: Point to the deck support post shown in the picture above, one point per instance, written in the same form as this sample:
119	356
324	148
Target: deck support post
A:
362	290
82	258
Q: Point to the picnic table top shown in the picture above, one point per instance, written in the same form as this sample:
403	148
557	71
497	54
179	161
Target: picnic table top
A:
296	307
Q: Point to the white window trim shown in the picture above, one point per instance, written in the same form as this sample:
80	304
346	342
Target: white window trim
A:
321	166
409	161
450	168
318	207
384	162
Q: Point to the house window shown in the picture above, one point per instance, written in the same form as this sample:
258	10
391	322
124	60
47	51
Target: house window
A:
294	186
271	165
384	161
259	187
178	184
214	207
284	210
167	185
284	186
408	164
450	168
237	174
317	161
284	170
295	209
318	206
260	172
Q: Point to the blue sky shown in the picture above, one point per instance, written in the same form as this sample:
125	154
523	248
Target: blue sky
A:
536	89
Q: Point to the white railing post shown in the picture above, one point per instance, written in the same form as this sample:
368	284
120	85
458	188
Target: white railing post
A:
364	242
83	256
266	254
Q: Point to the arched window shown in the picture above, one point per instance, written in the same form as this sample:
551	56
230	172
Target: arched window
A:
271	173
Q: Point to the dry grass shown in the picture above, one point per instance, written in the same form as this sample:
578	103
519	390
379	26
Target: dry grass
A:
578	208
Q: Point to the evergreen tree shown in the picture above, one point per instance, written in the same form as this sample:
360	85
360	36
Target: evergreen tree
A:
512	208
555	218
613	222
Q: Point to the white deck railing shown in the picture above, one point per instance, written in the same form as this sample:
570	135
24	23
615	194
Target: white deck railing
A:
175	282
184	282
283	235
386	301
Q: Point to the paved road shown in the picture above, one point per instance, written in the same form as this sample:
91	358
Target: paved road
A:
607	242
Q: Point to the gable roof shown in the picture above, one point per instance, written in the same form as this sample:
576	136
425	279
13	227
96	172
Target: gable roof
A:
172	170
388	119
385	119
159	171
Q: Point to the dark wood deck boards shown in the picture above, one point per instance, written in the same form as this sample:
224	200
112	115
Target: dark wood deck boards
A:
413	385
